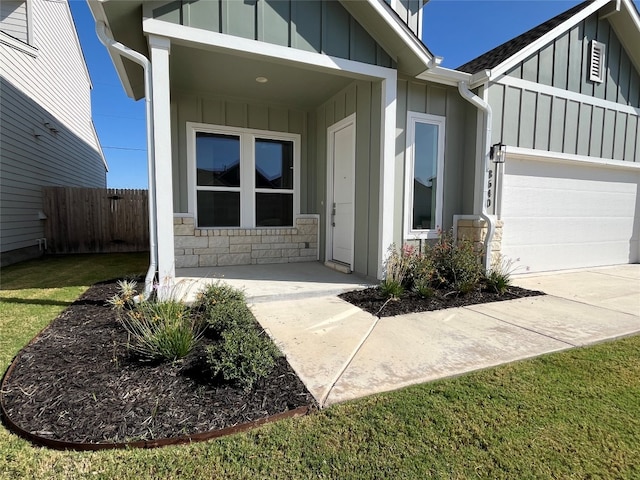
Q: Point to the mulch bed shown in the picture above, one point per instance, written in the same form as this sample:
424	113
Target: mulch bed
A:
76	382
372	301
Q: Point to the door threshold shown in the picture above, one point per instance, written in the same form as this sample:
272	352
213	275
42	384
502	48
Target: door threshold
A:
338	266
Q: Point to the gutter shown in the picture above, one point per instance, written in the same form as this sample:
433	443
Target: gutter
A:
471	97
111	44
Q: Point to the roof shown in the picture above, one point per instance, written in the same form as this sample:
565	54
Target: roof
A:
503	52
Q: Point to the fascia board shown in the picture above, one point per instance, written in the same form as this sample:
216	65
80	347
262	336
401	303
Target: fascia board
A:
565	26
444	76
208	40
403	31
99	15
626	24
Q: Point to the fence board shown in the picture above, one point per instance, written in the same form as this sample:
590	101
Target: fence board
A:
95	220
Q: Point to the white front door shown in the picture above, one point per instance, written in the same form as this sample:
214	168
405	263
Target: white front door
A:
342	160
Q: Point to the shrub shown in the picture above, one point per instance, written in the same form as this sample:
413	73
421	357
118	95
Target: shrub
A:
499	277
223	307
243	355
162	330
457	264
397	270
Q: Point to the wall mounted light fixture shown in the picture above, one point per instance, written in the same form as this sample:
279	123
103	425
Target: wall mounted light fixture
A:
498	152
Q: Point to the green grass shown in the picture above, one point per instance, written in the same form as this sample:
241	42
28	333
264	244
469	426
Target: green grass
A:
574	414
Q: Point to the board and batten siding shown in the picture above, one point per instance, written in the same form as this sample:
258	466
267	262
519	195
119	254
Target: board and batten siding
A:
48	138
548	102
220	111
363	99
460	147
313	25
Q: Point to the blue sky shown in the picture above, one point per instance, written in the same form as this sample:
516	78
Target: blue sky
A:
458	30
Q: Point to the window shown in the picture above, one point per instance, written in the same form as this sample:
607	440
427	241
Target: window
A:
596	65
423	175
244	178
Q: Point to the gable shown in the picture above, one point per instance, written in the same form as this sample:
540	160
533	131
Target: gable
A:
286	23
565	63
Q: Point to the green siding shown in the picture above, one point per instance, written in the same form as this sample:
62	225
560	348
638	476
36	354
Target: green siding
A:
529	119
460	146
310	25
234	113
363	99
564	63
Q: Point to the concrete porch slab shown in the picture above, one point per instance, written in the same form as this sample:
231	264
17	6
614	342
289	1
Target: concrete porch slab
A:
417	348
263	283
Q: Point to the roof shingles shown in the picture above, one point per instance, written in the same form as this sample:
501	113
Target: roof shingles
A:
505	51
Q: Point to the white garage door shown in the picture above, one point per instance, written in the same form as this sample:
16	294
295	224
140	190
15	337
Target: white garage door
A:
562	215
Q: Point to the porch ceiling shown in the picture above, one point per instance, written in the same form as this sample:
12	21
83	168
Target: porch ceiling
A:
193	69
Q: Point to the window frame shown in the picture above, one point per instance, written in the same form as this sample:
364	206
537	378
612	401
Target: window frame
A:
412	119
247	187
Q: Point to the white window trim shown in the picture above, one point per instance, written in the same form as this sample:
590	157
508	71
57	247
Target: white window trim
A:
412	118
247	151
19	45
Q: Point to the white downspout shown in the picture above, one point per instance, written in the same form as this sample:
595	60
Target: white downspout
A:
109	42
468	95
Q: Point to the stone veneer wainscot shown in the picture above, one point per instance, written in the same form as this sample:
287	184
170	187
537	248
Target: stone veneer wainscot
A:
215	247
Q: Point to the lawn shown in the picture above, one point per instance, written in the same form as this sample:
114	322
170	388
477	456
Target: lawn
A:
574	414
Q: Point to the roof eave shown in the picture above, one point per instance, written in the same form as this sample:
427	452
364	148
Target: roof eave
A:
99	15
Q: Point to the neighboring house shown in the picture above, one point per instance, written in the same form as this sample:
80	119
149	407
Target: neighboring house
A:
47	137
566	102
289	131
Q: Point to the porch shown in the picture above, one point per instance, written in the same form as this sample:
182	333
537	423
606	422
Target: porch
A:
264	283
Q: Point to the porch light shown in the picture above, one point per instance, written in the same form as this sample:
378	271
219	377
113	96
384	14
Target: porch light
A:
498	152
262	79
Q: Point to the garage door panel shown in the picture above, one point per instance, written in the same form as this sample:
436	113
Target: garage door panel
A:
559	215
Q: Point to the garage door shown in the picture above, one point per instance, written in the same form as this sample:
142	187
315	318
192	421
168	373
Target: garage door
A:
567	215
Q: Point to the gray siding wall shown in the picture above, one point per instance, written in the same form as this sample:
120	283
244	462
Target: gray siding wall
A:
564	64
530	119
460	146
52	88
312	25
363	99
212	110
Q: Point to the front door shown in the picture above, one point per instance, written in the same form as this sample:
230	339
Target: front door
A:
342	160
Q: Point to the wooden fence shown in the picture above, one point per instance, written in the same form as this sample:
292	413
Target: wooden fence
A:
96	220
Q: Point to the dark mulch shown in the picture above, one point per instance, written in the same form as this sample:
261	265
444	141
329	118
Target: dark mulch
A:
372	301
77	383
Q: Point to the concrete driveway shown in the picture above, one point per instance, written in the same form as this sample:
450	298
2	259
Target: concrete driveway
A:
343	353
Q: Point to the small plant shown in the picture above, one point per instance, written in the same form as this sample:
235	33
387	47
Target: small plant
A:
423	287
162	330
499	277
124	299
243	356
397	270
223	307
457	264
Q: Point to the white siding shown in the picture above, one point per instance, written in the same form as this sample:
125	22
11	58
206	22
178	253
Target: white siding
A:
46	130
13	19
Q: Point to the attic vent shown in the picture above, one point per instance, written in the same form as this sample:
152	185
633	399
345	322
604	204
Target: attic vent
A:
596	69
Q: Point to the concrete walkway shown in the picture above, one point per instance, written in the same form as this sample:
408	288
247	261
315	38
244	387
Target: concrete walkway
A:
342	353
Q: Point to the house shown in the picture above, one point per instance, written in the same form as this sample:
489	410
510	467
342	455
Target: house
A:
565	98
47	135
288	131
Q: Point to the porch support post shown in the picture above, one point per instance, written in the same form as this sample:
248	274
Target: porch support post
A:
387	166
160	48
